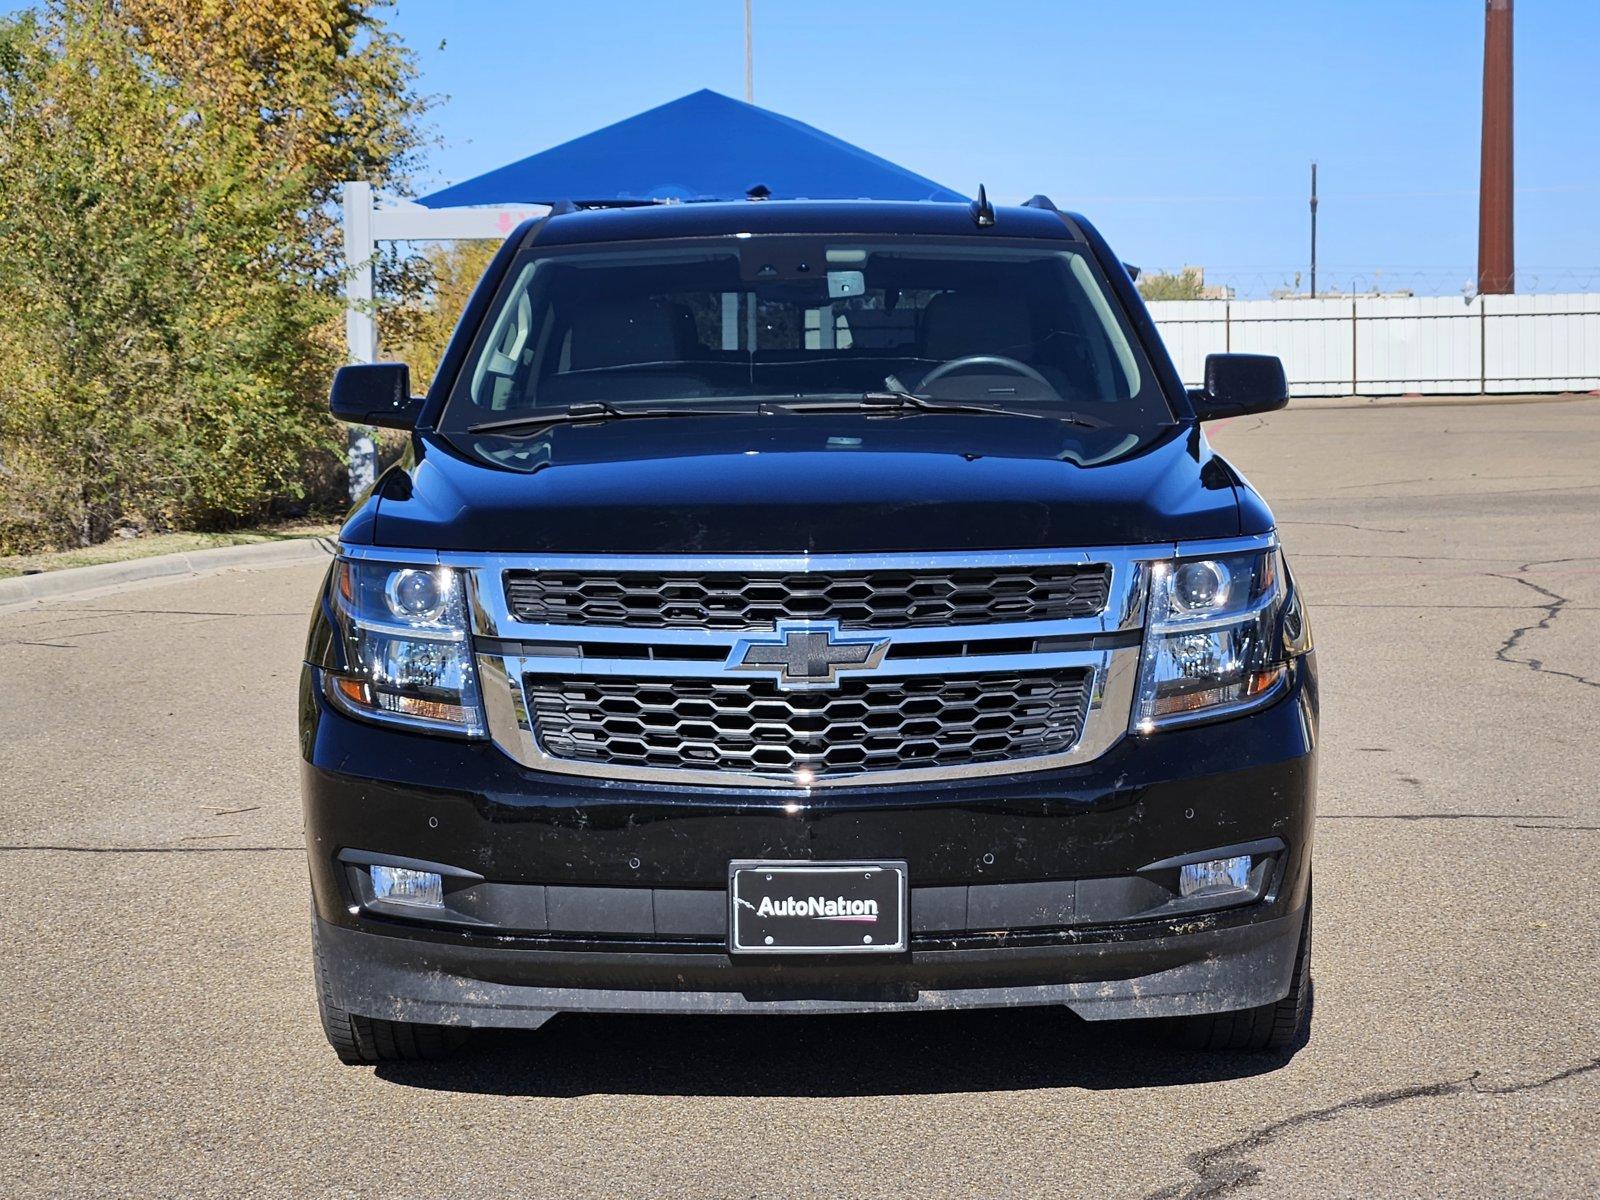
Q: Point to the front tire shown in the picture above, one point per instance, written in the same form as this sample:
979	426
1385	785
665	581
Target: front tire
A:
359	1040
1275	1027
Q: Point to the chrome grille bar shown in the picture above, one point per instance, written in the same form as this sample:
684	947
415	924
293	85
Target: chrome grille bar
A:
904	598
755	727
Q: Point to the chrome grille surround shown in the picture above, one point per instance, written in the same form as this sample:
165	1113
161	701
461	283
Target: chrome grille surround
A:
1106	645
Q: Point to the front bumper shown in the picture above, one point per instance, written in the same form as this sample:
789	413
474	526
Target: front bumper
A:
1089	836
1176	972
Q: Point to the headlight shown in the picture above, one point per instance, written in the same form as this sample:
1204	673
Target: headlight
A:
1211	645
406	654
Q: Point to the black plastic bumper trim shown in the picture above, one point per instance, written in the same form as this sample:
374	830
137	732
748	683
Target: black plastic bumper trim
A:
1178	974
700	914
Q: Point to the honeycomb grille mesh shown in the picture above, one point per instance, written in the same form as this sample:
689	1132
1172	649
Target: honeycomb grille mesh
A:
883	599
754	727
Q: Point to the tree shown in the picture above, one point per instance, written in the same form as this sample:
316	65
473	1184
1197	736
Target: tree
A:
168	252
416	331
1187	284
321	87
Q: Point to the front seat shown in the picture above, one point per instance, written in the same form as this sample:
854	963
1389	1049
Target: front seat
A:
637	349
620	333
958	324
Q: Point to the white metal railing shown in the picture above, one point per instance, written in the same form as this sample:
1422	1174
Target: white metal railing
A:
1382	346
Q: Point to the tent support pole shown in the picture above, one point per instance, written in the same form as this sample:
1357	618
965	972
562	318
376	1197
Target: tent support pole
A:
360	321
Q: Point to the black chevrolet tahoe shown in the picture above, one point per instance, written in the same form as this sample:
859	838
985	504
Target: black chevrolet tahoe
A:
808	607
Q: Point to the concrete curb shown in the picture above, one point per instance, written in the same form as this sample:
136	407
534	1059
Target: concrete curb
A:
102	577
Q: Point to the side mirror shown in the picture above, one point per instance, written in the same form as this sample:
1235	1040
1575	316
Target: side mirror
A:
375	394
1237	384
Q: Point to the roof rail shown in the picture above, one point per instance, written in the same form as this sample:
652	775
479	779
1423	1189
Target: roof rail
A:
559	208
1044	203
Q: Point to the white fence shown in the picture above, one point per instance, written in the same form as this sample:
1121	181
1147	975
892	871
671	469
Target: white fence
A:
1376	347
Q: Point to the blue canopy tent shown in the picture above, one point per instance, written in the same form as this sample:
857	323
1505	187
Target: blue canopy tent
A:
703	146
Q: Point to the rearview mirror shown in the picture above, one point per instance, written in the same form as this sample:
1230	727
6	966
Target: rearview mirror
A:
375	394
1237	384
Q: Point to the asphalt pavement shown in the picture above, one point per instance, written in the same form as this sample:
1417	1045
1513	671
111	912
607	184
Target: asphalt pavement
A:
157	1029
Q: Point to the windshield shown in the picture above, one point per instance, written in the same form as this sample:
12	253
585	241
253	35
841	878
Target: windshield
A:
743	320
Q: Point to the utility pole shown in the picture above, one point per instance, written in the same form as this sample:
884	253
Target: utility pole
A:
1496	256
749	58
1313	231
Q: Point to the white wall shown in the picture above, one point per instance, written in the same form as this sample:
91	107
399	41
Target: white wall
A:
1375	347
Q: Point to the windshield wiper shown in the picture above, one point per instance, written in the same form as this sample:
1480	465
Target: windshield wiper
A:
890	401
595	410
894	400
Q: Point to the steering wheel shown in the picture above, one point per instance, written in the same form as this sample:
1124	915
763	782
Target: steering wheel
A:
985	360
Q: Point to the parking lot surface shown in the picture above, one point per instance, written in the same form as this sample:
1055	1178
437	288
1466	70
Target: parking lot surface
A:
158	1034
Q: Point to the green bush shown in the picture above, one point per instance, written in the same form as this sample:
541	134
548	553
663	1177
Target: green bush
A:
169	312
1187	284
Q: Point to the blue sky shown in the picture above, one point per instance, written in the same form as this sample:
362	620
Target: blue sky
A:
1184	128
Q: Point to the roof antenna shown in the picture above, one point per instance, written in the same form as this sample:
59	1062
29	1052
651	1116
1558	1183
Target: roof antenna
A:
982	211
759	191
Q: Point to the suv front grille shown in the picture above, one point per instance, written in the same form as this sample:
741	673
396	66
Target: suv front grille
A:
880	599
755	727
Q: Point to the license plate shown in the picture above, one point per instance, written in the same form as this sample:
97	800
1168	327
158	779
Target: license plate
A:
816	908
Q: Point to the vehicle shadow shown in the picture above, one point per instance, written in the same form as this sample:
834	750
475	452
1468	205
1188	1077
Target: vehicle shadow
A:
822	1056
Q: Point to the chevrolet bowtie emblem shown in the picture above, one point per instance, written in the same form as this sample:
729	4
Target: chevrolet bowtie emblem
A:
805	655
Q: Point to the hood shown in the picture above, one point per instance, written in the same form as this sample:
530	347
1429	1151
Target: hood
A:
811	483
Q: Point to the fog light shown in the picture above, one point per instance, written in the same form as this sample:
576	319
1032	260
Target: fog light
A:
405	886
1214	876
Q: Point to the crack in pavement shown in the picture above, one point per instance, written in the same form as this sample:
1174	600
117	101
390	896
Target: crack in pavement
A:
53	628
150	849
1558	562
1552	609
1299	554
181	612
1441	816
1441	607
1349	487
1346	525
90	633
1355	487
1228	425
1459	495
1221	1169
